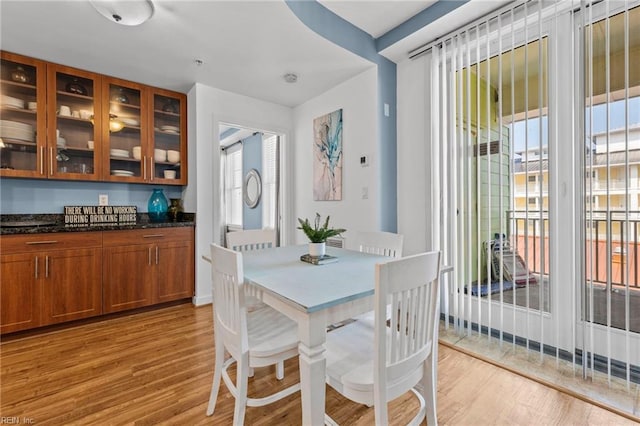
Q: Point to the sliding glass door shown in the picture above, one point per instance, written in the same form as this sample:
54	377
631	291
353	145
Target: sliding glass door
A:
610	57
494	82
538	141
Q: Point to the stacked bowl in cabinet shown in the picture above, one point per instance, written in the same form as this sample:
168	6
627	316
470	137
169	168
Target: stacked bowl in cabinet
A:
17	130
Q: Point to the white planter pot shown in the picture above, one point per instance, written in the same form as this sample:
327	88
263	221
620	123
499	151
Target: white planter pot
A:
317	249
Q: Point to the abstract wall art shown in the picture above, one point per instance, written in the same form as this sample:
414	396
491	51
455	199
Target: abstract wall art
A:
327	157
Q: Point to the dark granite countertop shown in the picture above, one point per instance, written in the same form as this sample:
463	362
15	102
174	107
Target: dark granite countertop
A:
15	224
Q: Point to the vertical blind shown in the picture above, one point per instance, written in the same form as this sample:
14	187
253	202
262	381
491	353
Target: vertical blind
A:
538	179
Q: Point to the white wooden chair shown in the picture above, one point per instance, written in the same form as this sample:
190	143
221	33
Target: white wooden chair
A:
379	242
373	366
253	339
251	239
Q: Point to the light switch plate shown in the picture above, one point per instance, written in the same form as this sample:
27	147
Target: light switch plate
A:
103	200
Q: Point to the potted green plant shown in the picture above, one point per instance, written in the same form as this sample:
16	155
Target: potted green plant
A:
318	234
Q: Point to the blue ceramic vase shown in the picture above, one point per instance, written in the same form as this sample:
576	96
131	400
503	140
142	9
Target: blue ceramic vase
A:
157	206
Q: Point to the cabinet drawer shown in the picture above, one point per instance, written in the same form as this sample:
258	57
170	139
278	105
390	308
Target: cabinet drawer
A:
10	244
146	236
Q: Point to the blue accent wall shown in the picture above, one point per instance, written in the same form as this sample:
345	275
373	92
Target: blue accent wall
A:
23	196
341	32
416	22
252	159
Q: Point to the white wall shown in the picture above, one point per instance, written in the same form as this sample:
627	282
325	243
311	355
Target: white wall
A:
414	163
358	99
207	108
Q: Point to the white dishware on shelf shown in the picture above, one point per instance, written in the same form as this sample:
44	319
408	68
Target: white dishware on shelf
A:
16	130
85	114
11	102
169	174
65	111
122	153
173	156
62	142
117	172
160	155
32	106
137	152
129	121
170	129
90	144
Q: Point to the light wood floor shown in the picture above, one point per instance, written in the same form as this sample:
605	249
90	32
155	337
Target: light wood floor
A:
156	367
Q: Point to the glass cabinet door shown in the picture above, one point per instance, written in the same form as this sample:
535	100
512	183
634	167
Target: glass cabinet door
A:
169	138
74	124
22	123
125	130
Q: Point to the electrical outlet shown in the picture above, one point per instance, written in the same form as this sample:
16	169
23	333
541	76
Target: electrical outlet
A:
103	200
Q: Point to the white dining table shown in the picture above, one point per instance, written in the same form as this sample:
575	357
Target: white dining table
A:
314	296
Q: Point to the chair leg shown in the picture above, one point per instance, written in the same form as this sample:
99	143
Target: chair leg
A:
217	373
242	378
430	389
280	370
380	409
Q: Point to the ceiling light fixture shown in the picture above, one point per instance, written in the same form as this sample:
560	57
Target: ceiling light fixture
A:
290	77
125	12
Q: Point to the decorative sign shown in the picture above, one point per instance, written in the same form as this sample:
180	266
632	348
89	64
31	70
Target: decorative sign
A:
100	215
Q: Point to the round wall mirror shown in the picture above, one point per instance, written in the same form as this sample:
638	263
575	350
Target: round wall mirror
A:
252	188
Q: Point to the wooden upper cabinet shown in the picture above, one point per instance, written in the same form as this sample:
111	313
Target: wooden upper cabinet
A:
74	122
23	121
64	123
168	121
124	114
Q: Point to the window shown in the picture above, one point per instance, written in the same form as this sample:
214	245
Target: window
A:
233	185
269	181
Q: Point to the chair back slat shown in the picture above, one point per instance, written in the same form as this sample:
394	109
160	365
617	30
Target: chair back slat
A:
229	312
410	285
251	239
380	243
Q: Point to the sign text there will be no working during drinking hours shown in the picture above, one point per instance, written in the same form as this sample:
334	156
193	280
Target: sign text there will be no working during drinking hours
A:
99	215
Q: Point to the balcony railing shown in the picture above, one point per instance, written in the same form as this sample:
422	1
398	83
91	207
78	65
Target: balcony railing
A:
612	251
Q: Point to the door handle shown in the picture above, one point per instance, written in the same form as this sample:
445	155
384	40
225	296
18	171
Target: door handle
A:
157	255
144	168
50	161
36	267
149	256
33	243
42	154
46	266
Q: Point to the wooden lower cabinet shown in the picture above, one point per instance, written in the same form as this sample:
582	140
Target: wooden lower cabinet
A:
145	267
20	292
46	281
52	278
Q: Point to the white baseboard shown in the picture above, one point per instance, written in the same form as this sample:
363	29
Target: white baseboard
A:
202	300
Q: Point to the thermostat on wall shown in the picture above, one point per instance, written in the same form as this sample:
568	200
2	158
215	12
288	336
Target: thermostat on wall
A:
364	160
